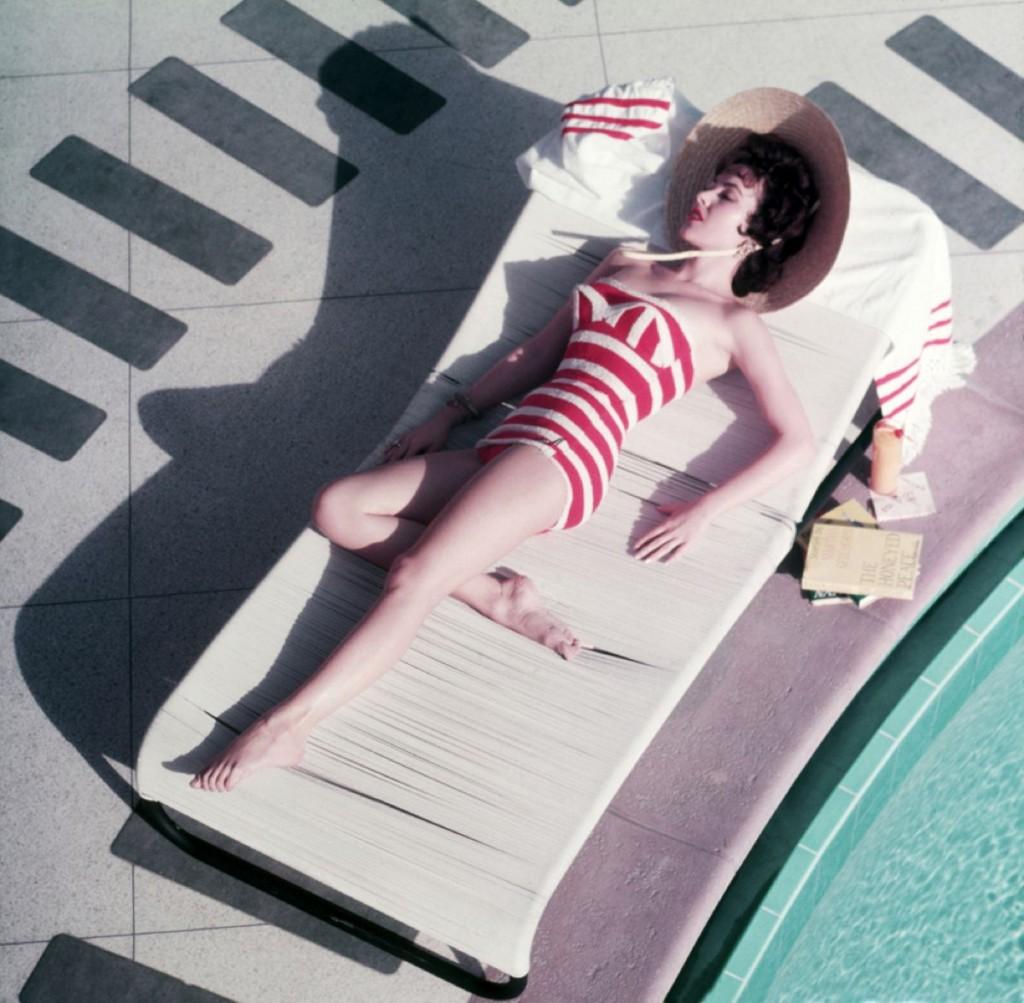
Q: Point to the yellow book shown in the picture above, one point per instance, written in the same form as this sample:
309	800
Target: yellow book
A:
862	561
849	512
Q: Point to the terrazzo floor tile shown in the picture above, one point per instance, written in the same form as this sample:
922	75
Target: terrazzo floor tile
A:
543	19
64	36
252	965
71	542
850	51
657	14
392	228
36	113
986	287
158	29
254	410
64	675
18	961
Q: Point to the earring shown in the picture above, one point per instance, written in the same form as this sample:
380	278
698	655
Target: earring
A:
748	246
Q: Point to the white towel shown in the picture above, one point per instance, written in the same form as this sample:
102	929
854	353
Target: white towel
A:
610	157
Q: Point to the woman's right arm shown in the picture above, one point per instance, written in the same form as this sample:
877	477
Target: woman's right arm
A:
525	367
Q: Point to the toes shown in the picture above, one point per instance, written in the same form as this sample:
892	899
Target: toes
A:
216	781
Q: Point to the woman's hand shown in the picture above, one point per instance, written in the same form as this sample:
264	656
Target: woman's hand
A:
428	437
685	522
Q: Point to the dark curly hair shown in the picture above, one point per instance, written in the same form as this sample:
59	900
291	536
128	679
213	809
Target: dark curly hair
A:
784	214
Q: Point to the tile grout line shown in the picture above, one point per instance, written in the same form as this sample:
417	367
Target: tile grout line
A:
124	598
327	299
143	933
131	611
600	44
810	17
405	292
984	632
285	302
143	67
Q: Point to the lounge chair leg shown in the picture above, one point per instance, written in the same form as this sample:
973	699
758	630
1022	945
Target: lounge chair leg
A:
401	947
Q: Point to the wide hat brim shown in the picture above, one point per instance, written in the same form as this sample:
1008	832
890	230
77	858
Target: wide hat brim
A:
802	124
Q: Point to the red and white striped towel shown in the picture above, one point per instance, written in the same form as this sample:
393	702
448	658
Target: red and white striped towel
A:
897	390
893	272
615	118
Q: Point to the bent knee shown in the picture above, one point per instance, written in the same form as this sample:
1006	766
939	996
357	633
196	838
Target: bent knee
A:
334	500
417	574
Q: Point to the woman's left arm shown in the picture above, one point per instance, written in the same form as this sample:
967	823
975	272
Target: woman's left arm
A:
758	359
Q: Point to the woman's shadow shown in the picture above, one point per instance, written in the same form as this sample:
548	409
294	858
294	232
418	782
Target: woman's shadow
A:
427	213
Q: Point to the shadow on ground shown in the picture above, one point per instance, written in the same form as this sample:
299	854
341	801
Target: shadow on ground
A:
246	460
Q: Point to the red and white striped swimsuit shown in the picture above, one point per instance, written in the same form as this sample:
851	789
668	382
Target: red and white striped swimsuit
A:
627	356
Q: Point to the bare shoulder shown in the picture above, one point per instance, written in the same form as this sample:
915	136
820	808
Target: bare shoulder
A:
744	322
751	339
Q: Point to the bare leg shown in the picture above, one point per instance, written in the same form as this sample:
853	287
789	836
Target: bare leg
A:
517	495
381	513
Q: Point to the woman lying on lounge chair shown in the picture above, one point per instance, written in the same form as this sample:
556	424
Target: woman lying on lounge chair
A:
636	335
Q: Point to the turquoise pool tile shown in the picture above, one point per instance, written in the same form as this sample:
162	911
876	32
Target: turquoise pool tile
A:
830	862
874	796
856	776
1003	634
799	863
916	741
953	694
910	703
1017	572
724	990
906	754
760	979
956	650
1001	596
826	819
758	930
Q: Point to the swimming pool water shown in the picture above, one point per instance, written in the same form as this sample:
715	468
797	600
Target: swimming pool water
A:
929	905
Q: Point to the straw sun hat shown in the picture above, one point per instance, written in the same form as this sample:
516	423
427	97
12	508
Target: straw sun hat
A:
803	125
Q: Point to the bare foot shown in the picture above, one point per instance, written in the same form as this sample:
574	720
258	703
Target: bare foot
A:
266	743
520	609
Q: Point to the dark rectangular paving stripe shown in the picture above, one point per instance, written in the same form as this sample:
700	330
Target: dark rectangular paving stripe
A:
961	201
73	969
44	416
88	306
994	89
9	516
338	65
175	223
243	131
481	33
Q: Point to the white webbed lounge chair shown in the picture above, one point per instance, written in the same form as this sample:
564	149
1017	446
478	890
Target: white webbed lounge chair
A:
454	793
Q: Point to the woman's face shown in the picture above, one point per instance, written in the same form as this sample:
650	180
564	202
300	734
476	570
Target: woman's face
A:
718	217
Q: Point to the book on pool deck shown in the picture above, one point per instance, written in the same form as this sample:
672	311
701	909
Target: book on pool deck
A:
850	512
822	597
863	561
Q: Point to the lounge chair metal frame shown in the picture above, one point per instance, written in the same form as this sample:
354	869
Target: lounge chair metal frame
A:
320	908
